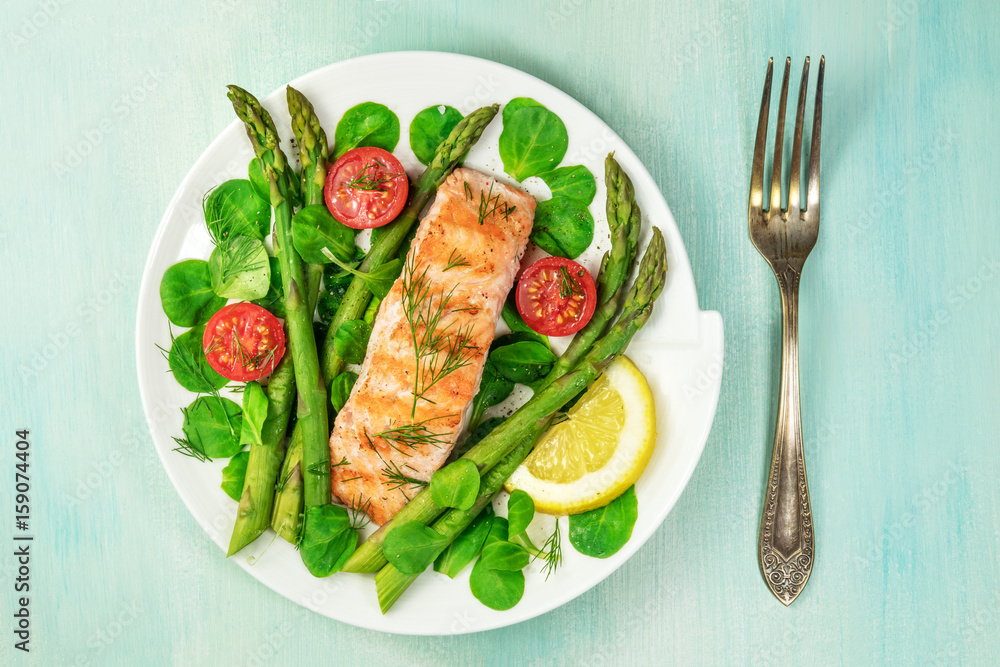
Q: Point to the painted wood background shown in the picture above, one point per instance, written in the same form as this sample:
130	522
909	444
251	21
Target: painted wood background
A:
105	107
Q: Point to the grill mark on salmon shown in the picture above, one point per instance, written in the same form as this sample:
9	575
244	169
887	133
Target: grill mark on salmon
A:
457	274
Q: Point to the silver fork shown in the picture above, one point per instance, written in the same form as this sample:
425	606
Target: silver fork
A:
784	238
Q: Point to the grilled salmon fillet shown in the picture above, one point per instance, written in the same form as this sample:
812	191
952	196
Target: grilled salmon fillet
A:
429	344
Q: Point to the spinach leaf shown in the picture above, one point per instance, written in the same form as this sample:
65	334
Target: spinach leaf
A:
212	425
335	284
563	227
520	512
494	388
517	104
456	485
258	181
533	141
254	413
274	300
515	322
315	230
367	124
575	182
235	209
466	546
412	547
351	340
504	556
523	361
240	269
498	532
189	365
429	128
340	389
186	293
327	539
234	474
602	532
497	589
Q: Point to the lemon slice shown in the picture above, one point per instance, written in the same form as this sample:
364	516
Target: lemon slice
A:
599	451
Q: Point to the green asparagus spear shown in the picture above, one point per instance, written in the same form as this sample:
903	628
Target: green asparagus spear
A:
286	520
312	411
531	419
256	503
355	301
254	511
390	582
625	222
314	154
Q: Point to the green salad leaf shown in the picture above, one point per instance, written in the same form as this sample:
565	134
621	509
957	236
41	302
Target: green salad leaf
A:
212	426
466	546
340	389
429	128
315	230
504	556
574	182
351	340
254	413
478	433
367	124
515	322
240	269
335	283
563	227
520	512
602	532
412	546
235	209
258	181
517	104
494	388
523	361
190	367
273	301
186	293
379	280
533	141
456	485
328	539
497	589
234	474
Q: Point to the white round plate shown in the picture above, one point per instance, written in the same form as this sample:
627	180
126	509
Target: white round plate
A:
679	350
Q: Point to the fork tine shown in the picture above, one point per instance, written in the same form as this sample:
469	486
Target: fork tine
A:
812	206
779	144
757	171
793	185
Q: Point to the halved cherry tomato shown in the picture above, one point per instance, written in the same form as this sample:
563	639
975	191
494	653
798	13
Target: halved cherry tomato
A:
556	296
243	342
366	188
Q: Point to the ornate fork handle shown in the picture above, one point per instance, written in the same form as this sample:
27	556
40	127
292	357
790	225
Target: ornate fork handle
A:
786	528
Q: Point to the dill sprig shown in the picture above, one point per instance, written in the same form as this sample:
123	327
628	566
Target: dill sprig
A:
415	435
369	178
490	203
438	351
551	552
567	286
396	478
185	447
189	363
455	260
359	512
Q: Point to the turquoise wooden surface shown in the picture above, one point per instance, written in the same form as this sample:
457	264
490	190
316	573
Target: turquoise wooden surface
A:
106	107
